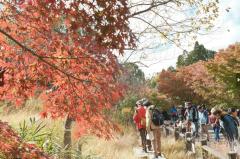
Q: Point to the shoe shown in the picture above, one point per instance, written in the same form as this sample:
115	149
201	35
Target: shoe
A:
160	156
144	151
155	157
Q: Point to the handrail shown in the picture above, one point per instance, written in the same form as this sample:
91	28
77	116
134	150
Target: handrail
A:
213	152
210	151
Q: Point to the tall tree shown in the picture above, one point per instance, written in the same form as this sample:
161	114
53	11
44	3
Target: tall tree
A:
202	83
199	53
132	75
67	44
173	85
133	79
225	67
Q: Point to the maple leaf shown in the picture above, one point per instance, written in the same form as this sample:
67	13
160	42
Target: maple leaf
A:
55	48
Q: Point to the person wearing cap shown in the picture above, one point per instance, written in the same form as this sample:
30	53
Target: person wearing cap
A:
139	118
233	112
155	129
229	125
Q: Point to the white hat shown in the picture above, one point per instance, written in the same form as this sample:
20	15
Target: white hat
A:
213	110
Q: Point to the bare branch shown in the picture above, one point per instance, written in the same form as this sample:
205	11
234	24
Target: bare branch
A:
152	5
159	31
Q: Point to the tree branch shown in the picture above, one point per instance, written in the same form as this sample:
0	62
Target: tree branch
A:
39	57
154	27
152	5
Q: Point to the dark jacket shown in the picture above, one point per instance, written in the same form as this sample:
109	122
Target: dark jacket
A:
230	127
236	121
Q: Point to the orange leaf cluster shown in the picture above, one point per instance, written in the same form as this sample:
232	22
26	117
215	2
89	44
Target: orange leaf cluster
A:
210	82
62	51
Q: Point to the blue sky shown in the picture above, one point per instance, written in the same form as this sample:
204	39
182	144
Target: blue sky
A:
226	32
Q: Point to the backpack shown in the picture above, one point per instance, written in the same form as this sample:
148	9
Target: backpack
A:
206	115
157	117
194	114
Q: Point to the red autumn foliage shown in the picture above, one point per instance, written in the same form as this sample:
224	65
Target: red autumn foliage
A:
11	146
66	46
172	84
198	78
190	83
210	82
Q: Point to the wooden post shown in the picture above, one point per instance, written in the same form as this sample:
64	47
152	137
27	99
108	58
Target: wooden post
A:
167	131
204	153
204	142
232	155
67	139
176	133
188	141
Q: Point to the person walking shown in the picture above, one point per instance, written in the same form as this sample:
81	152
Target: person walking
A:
216	127
139	118
203	121
187	116
229	126
192	118
154	120
146	103
233	112
174	114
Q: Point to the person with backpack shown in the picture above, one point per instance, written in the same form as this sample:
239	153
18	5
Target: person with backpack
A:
203	121
139	118
229	125
154	121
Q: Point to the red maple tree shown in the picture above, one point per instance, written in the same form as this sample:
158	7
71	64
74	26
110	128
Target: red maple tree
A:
62	51
173	85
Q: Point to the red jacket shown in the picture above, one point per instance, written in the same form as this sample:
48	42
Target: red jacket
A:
139	116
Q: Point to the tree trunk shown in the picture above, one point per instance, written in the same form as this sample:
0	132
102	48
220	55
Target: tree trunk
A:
67	138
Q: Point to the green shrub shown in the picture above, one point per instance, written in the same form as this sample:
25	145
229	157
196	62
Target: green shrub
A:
35	132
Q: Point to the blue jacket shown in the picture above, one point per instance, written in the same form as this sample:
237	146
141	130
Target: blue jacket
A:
173	110
230	127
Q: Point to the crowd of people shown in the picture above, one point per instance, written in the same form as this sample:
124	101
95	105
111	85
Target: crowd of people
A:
197	119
